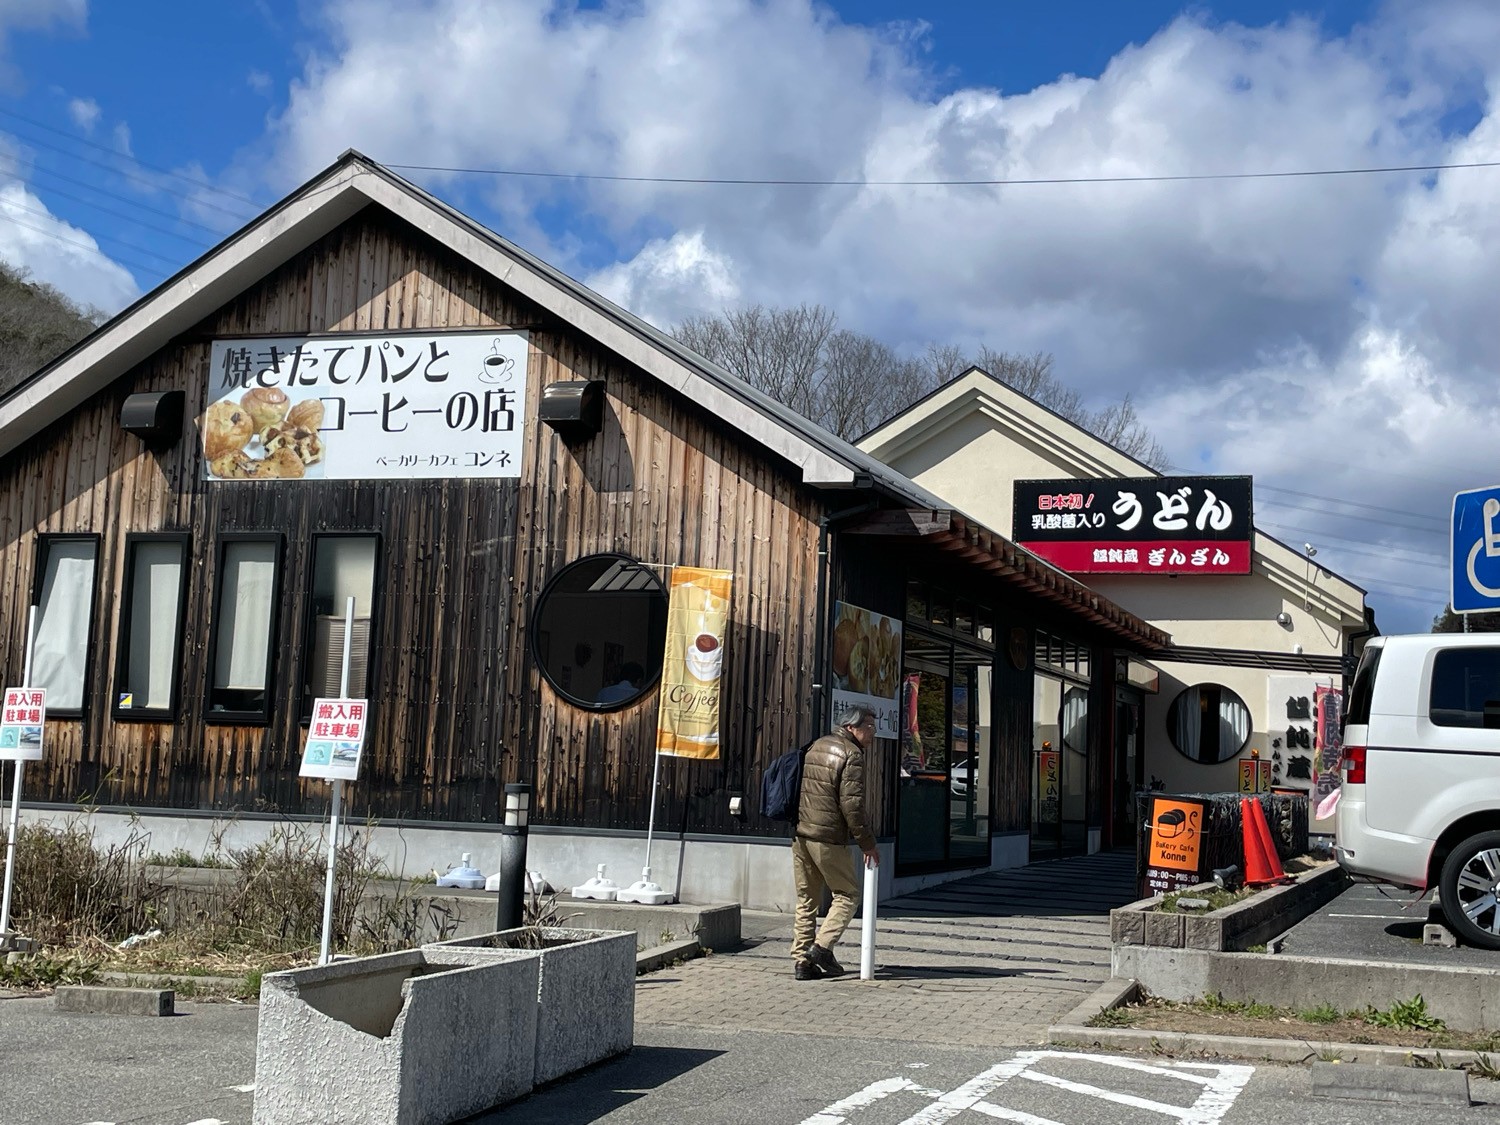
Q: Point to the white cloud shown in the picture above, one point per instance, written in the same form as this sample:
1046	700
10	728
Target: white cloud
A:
1271	321
85	113
58	253
37	15
670	279
259	81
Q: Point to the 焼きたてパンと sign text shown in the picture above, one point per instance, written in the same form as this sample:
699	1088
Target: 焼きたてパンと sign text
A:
366	407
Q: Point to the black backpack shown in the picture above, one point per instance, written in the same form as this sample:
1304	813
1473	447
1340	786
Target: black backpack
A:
781	786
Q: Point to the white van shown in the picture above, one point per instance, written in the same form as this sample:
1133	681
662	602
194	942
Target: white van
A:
1420	806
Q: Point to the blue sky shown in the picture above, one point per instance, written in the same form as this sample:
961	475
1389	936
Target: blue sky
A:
1259	326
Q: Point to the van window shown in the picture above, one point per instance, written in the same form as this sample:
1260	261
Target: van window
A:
1362	691
1466	688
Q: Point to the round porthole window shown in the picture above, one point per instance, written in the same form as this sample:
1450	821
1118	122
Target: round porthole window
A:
1208	723
599	630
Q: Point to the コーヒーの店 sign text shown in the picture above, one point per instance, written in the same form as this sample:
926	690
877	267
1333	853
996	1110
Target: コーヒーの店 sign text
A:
366	407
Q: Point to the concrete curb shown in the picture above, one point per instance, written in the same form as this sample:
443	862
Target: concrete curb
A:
168	980
1393	1085
114	1001
660	956
1113	993
1252	1049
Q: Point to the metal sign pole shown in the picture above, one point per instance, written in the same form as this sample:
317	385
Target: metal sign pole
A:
338	800
15	793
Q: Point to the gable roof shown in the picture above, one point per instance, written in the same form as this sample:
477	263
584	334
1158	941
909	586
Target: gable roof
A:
976	391
354	182
328	200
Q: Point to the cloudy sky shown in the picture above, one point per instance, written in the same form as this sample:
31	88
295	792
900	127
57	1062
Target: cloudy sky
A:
1334	335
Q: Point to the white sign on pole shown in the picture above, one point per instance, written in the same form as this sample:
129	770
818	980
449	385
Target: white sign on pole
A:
335	739
22	723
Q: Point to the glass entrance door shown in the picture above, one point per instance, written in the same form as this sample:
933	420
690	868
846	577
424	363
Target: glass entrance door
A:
943	788
1059	767
1130	726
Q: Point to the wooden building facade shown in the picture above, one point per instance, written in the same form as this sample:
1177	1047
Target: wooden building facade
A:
119	531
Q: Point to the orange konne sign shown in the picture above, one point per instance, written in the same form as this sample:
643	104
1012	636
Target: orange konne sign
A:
1176	834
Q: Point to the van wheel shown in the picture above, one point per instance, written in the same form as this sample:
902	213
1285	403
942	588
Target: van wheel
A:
1470	890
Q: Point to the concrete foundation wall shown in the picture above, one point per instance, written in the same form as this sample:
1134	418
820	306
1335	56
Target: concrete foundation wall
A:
1466	999
757	874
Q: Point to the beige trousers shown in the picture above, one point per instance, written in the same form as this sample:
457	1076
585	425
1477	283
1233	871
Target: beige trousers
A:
815	865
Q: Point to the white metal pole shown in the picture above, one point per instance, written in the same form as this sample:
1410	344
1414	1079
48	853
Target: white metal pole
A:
15	792
324	952
867	922
651	820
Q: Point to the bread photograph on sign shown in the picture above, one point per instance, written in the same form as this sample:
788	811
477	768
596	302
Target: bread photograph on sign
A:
263	436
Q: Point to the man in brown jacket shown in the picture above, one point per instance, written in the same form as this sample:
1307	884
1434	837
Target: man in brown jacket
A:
830	813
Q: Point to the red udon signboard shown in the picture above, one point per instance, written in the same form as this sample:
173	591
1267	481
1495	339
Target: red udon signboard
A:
1153	525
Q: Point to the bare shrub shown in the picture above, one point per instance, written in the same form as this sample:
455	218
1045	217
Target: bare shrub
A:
70	890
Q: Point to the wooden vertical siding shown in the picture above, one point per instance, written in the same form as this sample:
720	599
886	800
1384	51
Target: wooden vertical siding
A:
458	706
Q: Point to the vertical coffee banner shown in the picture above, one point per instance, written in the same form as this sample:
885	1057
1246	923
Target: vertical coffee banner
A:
687	724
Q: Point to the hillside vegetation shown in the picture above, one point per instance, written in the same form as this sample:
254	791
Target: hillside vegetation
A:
37	323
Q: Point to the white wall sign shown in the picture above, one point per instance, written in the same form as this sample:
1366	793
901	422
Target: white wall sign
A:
866	665
1291	715
22	724
366	407
335	739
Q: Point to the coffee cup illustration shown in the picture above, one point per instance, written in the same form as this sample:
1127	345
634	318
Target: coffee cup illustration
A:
705	657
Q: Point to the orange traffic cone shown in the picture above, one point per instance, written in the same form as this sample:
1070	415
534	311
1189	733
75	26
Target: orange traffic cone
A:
1262	865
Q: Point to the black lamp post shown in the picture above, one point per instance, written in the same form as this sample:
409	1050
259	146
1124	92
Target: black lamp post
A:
510	912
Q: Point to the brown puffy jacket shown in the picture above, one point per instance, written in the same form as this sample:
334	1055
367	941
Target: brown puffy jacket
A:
832	806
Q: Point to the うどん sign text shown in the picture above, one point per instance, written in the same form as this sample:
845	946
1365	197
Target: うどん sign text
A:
1123	525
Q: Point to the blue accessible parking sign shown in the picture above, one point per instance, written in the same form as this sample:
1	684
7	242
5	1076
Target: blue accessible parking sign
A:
1476	550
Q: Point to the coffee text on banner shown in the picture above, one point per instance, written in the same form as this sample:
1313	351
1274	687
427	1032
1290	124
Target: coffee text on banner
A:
687	724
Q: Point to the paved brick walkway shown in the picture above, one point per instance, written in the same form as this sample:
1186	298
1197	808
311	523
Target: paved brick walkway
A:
993	959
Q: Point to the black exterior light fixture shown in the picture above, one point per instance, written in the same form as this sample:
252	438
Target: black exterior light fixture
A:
153	416
574	409
510	911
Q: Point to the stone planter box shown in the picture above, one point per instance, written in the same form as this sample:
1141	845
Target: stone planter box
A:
1234	928
585	997
399	1039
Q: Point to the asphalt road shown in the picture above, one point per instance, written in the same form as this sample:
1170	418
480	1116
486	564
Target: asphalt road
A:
58	1069
1364	924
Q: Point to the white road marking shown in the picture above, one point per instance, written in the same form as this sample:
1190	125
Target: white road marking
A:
1220	1087
1376	917
207	1121
246	1089
1017	1115
839	1111
974	1090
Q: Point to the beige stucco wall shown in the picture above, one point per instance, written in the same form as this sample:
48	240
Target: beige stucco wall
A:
971	441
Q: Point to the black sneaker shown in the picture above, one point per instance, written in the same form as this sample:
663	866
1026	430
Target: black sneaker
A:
806	970
823	959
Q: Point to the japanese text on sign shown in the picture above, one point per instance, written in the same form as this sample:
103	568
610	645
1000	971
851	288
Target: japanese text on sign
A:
1168	525
335	739
1174	853
367	407
22	724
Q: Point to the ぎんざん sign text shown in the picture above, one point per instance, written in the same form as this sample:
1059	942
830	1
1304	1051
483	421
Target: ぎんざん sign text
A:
1156	525
356	407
